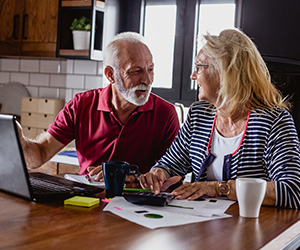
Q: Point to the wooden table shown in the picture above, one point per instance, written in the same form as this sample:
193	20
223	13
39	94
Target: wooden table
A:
29	225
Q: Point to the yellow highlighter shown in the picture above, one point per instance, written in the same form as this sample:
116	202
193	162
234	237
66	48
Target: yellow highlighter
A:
82	201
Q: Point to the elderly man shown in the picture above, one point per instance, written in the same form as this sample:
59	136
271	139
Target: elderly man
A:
123	121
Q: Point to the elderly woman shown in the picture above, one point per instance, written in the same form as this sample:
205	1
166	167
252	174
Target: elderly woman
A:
239	128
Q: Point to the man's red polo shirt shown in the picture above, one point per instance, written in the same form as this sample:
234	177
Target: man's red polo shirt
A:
99	136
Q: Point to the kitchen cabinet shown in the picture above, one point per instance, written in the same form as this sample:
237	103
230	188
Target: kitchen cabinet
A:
99	12
28	28
11	14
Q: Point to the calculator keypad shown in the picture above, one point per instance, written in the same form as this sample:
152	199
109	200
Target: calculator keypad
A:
147	198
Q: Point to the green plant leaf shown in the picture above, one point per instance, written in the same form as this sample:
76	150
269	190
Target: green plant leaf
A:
83	23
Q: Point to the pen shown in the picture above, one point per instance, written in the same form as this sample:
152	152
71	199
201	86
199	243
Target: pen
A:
179	206
137	190
88	178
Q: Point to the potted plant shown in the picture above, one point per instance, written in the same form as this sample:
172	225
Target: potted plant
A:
81	33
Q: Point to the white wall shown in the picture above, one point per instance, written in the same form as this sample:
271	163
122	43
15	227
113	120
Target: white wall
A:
58	78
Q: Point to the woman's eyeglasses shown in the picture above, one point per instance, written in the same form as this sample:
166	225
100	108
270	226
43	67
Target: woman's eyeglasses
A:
200	67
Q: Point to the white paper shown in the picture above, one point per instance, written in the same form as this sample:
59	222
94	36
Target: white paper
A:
207	207
136	214
84	180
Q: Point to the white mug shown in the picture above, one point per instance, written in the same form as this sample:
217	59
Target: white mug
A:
250	193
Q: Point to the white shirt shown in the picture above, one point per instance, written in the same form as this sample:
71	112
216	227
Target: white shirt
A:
221	146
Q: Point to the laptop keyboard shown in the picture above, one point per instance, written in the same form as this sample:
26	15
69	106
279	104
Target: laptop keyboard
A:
44	186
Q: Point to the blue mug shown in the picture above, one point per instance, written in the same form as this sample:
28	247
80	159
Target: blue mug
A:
114	174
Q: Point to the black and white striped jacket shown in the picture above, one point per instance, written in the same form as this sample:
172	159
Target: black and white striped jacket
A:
269	150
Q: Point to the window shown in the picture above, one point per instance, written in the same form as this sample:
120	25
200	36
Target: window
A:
160	36
171	28
213	18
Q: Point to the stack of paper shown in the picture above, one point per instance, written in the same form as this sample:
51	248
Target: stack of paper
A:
177	212
84	180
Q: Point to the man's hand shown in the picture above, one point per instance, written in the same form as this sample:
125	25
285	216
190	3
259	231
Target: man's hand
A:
154	179
38	151
97	172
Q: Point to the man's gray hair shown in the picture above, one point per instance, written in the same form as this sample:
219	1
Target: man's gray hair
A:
111	52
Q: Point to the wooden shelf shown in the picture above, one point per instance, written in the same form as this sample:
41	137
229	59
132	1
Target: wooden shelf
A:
72	52
75	3
81	3
92	9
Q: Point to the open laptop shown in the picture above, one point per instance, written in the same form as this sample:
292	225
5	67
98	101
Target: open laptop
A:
15	179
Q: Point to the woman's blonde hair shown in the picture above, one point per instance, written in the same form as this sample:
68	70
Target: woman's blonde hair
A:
244	76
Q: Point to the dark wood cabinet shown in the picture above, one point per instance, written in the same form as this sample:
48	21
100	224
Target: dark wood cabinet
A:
41	28
11	12
28	28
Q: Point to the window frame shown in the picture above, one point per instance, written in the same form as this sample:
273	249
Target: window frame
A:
184	48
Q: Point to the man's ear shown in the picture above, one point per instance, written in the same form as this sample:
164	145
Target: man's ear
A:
109	73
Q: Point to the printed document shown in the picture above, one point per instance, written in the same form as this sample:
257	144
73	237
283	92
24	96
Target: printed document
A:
177	212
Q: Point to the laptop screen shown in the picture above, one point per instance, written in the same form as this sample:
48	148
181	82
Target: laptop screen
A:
13	171
14	177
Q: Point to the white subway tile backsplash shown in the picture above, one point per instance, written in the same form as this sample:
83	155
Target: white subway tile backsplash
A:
68	95
50	66
100	68
75	81
58	81
105	84
10	65
93	82
27	65
76	91
33	91
39	79
67	66
62	94
20	77
59	78
4	77
85	67
49	93
105	81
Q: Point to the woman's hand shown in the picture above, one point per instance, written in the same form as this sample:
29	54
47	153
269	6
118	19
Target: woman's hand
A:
154	179
192	191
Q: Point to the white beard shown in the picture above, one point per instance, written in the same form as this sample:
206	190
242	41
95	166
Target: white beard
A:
130	95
